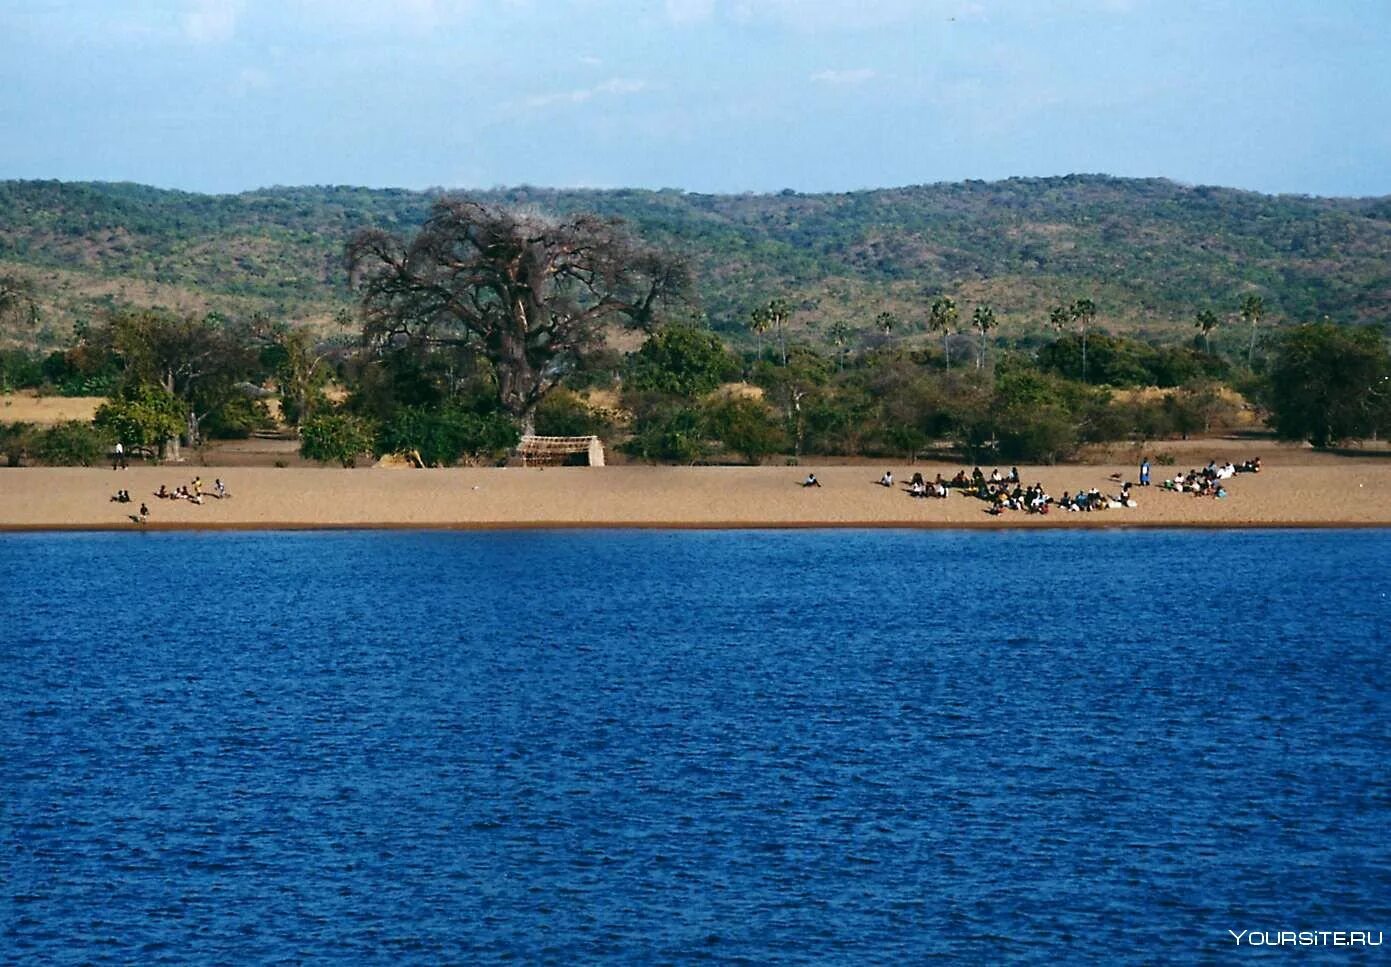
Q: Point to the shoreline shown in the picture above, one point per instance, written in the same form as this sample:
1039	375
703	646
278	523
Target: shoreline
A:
1345	496
496	527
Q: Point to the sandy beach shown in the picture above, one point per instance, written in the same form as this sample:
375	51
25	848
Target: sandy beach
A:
1353	493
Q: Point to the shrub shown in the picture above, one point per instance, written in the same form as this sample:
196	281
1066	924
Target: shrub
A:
336	436
562	413
668	429
746	426
15	440
69	444
444	436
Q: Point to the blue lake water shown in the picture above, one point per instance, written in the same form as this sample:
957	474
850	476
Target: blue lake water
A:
837	746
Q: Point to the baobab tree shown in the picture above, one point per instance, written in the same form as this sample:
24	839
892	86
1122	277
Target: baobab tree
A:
529	293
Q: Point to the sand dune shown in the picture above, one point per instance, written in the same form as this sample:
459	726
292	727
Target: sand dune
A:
1355	494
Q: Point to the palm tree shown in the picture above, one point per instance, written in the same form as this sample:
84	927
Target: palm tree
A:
885	322
942	318
839	335
758	324
1252	311
778	313
1084	312
983	319
1207	321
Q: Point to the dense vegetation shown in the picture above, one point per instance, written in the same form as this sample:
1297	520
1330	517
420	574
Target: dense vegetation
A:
468	323
1149	253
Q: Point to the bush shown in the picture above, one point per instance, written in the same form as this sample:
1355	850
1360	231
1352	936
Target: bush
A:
668	429
746	426
336	436
236	419
562	413
15	440
444	436
70	444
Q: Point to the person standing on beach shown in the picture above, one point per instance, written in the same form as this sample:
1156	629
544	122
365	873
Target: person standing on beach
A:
1144	471
118	458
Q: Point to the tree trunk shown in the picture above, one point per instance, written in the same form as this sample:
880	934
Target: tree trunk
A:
946	347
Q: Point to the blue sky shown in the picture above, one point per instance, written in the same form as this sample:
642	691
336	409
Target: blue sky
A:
703	95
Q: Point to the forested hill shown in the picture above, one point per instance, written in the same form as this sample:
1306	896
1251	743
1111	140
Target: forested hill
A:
1149	252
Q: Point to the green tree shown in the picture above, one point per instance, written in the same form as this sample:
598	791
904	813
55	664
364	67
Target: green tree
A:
302	371
792	388
682	361
1083	312
199	361
1330	383
839	335
143	415
776	315
886	322
1207	321
942	317
759	321
747	426
982	320
530	294
336	436
1252	312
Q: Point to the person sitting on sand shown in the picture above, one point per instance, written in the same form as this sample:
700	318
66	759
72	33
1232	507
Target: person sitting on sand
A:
995	476
161	493
917	489
811	481
887	480
1013	475
977	478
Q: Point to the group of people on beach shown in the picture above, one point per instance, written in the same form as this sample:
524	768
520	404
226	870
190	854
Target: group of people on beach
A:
1006	491
1208	482
193	492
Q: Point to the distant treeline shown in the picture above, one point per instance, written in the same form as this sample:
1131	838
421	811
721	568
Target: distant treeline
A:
1149	252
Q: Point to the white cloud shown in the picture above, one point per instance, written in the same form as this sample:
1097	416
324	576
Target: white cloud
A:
613	87
845	78
211	21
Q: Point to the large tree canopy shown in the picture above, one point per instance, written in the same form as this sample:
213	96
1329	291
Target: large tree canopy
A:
530	294
1331	383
